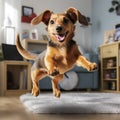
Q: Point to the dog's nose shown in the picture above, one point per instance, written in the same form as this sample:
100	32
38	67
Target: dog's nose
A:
58	28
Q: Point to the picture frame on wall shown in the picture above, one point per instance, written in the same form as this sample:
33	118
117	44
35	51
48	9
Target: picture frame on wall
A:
27	11
25	34
34	34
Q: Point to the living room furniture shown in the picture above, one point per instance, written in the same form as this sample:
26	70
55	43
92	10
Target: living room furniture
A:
88	80
35	46
110	62
110	67
14	72
14	77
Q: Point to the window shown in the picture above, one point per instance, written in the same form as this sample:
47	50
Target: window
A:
11	19
1	19
10	13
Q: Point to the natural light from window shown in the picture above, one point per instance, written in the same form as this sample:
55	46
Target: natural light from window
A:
10	22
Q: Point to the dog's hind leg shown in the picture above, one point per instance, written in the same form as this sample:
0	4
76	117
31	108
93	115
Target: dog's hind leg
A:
37	75
56	79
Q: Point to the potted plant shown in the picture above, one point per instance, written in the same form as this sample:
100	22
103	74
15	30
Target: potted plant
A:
115	6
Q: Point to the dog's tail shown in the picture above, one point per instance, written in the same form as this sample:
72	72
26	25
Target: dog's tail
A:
26	54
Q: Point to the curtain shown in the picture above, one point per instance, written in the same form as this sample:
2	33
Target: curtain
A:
11	12
1	19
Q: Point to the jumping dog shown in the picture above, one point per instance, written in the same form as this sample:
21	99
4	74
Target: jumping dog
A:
62	51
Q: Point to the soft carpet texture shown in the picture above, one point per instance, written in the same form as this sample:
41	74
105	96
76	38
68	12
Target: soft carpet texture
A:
72	103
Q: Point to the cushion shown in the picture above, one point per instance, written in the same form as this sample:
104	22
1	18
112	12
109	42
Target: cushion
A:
70	81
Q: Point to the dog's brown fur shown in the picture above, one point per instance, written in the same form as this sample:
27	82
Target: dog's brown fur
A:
62	52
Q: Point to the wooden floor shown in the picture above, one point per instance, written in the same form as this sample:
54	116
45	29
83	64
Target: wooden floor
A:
12	109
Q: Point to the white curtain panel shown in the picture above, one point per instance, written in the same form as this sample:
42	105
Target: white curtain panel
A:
11	16
1	19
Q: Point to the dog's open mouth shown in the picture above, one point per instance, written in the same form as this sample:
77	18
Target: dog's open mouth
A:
61	37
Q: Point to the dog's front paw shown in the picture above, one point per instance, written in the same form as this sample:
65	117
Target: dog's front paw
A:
57	93
92	66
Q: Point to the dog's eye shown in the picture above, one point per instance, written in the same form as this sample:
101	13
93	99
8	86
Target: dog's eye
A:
51	22
65	20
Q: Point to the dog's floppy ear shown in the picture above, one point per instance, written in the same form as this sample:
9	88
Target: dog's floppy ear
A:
75	15
43	17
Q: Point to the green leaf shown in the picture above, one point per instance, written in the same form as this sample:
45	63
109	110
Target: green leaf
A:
115	3
111	9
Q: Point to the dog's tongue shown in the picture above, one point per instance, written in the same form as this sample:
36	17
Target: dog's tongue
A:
60	37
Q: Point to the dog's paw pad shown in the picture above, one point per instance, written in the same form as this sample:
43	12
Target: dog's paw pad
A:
93	67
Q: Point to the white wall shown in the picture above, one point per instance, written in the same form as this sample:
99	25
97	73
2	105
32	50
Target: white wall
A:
102	21
82	35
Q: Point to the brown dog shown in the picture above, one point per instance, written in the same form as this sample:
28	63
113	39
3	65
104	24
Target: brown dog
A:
62	52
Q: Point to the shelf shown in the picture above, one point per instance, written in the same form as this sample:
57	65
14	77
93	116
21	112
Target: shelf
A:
110	72
113	91
110	68
110	85
110	79
36	46
15	77
36	41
